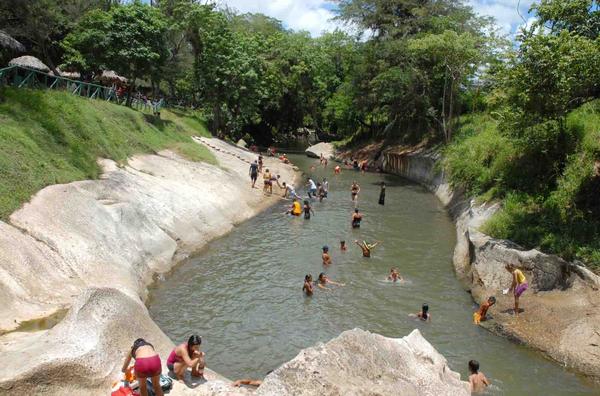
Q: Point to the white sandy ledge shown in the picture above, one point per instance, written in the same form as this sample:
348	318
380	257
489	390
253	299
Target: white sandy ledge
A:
93	248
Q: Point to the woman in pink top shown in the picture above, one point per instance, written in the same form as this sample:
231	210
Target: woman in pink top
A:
187	355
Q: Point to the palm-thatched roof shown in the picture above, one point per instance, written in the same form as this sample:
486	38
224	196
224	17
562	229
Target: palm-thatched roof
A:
29	61
68	74
109	75
6	41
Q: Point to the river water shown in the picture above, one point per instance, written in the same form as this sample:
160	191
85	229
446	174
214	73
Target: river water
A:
242	293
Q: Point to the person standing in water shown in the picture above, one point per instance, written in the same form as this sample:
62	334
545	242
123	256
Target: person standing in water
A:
354	190
325	185
518	286
477	379
356	219
343	247
325	256
253	172
312	188
366	247
296	209
307	210
382	194
325	280
308	285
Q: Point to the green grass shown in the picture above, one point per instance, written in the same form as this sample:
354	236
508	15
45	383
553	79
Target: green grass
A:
54	137
559	214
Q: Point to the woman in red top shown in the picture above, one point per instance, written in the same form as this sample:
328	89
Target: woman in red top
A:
187	355
147	365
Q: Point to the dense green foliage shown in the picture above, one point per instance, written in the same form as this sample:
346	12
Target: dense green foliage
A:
540	152
518	122
53	137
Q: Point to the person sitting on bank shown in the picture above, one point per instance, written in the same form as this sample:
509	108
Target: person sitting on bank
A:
187	355
147	365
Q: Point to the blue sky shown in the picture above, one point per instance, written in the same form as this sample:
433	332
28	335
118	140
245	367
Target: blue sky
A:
315	15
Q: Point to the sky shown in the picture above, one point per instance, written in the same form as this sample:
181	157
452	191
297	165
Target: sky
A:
315	16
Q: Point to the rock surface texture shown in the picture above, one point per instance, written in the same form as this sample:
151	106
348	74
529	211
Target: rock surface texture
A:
561	316
117	232
326	149
361	363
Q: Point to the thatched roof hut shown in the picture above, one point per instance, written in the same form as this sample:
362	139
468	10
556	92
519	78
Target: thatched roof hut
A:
111	76
30	62
6	41
68	74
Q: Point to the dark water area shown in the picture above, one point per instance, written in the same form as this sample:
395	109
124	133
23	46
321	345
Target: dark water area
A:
243	292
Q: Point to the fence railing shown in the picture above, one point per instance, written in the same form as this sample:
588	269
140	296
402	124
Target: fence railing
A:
24	77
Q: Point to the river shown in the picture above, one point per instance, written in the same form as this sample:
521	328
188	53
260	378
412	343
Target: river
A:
242	293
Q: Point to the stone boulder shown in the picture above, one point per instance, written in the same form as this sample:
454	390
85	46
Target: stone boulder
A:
82	354
326	149
361	363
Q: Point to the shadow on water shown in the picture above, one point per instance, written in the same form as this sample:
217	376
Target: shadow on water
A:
243	293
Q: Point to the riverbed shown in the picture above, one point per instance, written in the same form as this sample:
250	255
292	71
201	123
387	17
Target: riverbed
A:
243	294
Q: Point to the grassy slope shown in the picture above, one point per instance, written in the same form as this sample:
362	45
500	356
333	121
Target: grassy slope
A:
564	221
54	137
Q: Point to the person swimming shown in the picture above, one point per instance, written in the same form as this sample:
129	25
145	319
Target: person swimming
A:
356	219
343	246
394	275
337	170
308	285
325	256
424	315
477	379
366	247
325	280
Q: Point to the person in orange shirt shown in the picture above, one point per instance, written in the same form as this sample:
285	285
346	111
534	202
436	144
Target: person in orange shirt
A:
481	313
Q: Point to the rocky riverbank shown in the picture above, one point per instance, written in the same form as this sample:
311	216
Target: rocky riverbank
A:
77	260
74	245
561	316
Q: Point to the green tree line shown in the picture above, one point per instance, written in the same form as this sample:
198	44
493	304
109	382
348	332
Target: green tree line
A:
516	118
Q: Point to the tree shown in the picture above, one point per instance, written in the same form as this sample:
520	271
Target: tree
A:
128	39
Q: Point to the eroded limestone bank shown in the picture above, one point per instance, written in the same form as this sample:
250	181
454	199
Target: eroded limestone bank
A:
113	234
561	316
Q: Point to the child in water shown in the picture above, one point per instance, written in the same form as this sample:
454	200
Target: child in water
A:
366	247
308	285
325	256
477	380
394	275
295	209
480	314
307	210
343	246
356	219
424	315
324	280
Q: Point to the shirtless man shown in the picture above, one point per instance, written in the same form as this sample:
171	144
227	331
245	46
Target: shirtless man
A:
325	256
477	380
366	247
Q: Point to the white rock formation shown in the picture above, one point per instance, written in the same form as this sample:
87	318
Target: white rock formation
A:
326	149
361	363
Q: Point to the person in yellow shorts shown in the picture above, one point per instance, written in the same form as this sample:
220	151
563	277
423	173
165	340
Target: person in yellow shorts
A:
480	314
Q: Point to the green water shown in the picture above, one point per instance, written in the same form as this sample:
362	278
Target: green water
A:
243	292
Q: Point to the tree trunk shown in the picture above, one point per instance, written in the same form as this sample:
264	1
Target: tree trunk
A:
130	91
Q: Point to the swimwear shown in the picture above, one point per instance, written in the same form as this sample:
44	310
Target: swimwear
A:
356	222
147	367
520	289
476	318
174	358
307	213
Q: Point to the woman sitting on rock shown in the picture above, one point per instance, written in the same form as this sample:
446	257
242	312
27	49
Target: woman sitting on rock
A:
187	355
147	365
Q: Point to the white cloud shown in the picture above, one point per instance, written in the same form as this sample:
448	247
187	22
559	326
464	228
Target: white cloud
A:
506	12
313	16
